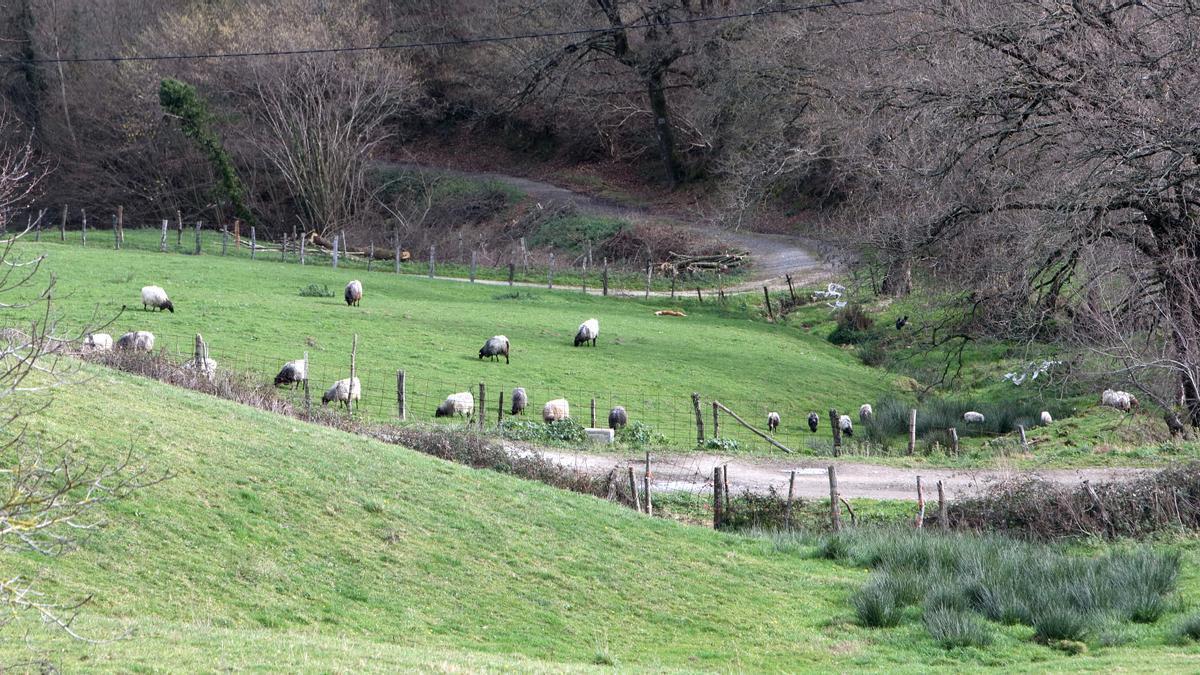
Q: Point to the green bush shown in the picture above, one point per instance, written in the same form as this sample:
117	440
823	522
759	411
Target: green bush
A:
559	431
722	444
875	604
1054	621
639	434
953	627
853	326
316	291
571	232
1188	629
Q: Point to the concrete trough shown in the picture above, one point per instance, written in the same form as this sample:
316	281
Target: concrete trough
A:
600	435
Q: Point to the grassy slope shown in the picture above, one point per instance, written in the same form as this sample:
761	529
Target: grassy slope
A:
253	318
279	544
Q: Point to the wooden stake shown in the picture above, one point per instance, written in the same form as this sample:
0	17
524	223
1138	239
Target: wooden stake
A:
500	409
605	278
583	278
593	413
787	512
767	296
717	501
791	289
920	522
116	237
224	239
633	488
283	250
698	296
303	240
83	226
162	242
1024	440
673	279
254	243
835	512
353	373
307	397
751	427
646	479
725	489
396	251
120	226
198	237
837	432
550	273
912	430
942	520
179	229
716	431
432	257
482	406
524	258
649	273
335	251
237	233
62	225
954	440
1100	506
401	404
699	418
370	255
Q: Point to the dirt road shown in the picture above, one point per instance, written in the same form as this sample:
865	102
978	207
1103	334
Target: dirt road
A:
693	473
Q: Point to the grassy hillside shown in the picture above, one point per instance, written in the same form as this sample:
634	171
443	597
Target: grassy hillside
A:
279	544
254	318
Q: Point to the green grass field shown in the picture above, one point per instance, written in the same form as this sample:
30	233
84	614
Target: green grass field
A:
278	545
254	319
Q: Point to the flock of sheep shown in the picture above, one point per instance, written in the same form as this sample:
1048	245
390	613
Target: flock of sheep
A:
462	404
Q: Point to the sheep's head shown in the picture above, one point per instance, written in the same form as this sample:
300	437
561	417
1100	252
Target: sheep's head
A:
169	306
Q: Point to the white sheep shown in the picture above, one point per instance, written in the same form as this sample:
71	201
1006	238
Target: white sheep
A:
462	404
865	412
156	297
141	340
972	417
353	292
772	421
293	373
1046	418
343	391
846	425
588	331
97	342
558	409
1121	400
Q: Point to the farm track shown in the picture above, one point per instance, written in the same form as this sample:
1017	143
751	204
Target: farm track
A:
773	255
693	473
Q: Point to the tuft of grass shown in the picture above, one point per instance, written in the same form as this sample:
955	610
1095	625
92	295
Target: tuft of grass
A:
1059	621
876	606
1186	629
952	627
316	291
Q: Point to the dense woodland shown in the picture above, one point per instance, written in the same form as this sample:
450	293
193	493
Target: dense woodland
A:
1039	158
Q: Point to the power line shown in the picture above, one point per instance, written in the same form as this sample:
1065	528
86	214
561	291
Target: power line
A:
463	42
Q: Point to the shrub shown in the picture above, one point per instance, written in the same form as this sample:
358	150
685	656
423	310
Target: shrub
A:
875	604
559	431
722	444
316	291
953	627
1188	629
639	434
1056	621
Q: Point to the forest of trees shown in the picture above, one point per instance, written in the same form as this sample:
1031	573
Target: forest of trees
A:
1038	157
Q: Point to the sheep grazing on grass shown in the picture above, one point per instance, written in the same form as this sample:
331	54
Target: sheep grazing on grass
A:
772	421
1046	418
293	373
97	342
972	417
495	347
813	420
1121	400
142	341
156	297
846	425
865	413
353	293
344	392
617	419
461	404
520	401
555	410
588	331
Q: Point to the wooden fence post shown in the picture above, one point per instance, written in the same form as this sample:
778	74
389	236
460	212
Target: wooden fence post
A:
307	397
725	489
283	249
224	239
699	418
593	412
698	296
370	255
303	240
912	430
254	243
716	430
482	405
646	478
674	279
162	242
178	229
787	512
721	287
954	440
120	226
550	273
401	404
717	501
920	523
353	374
473	258
837	432
942	521
62	225
649	273
835	511
432	256
500	409
37	235
1024	440
583	278
396	251
633	488
83	226
605	278
116	237
767	296
524	258
237	233
791	289
197	237
335	251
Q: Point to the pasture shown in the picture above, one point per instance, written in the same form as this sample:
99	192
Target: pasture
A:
279	544
254	319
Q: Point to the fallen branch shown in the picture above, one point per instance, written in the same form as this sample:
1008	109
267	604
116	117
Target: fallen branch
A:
746	424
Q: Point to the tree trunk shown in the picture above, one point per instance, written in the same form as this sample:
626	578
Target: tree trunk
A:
662	128
898	280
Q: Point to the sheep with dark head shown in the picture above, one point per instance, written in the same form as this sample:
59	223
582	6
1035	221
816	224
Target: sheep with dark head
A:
617	419
846	425
461	404
293	373
772	421
343	391
156	297
495	347
520	400
353	293
813	420
865	413
588	332
142	341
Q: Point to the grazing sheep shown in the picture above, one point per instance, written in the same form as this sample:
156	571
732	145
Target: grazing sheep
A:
972	417
588	330
293	373
813	420
142	341
343	391
865	413
772	421
519	401
846	425
555	410
156	297
98	342
353	293
1121	400
495	347
461	404
1046	418
617	419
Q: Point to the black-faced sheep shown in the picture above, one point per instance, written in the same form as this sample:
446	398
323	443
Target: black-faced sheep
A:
461	404
558	409
617	419
588	331
865	413
901	322
343	391
141	340
353	293
1121	400
293	373
495	347
156	297
772	421
520	401
813	420
846	425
